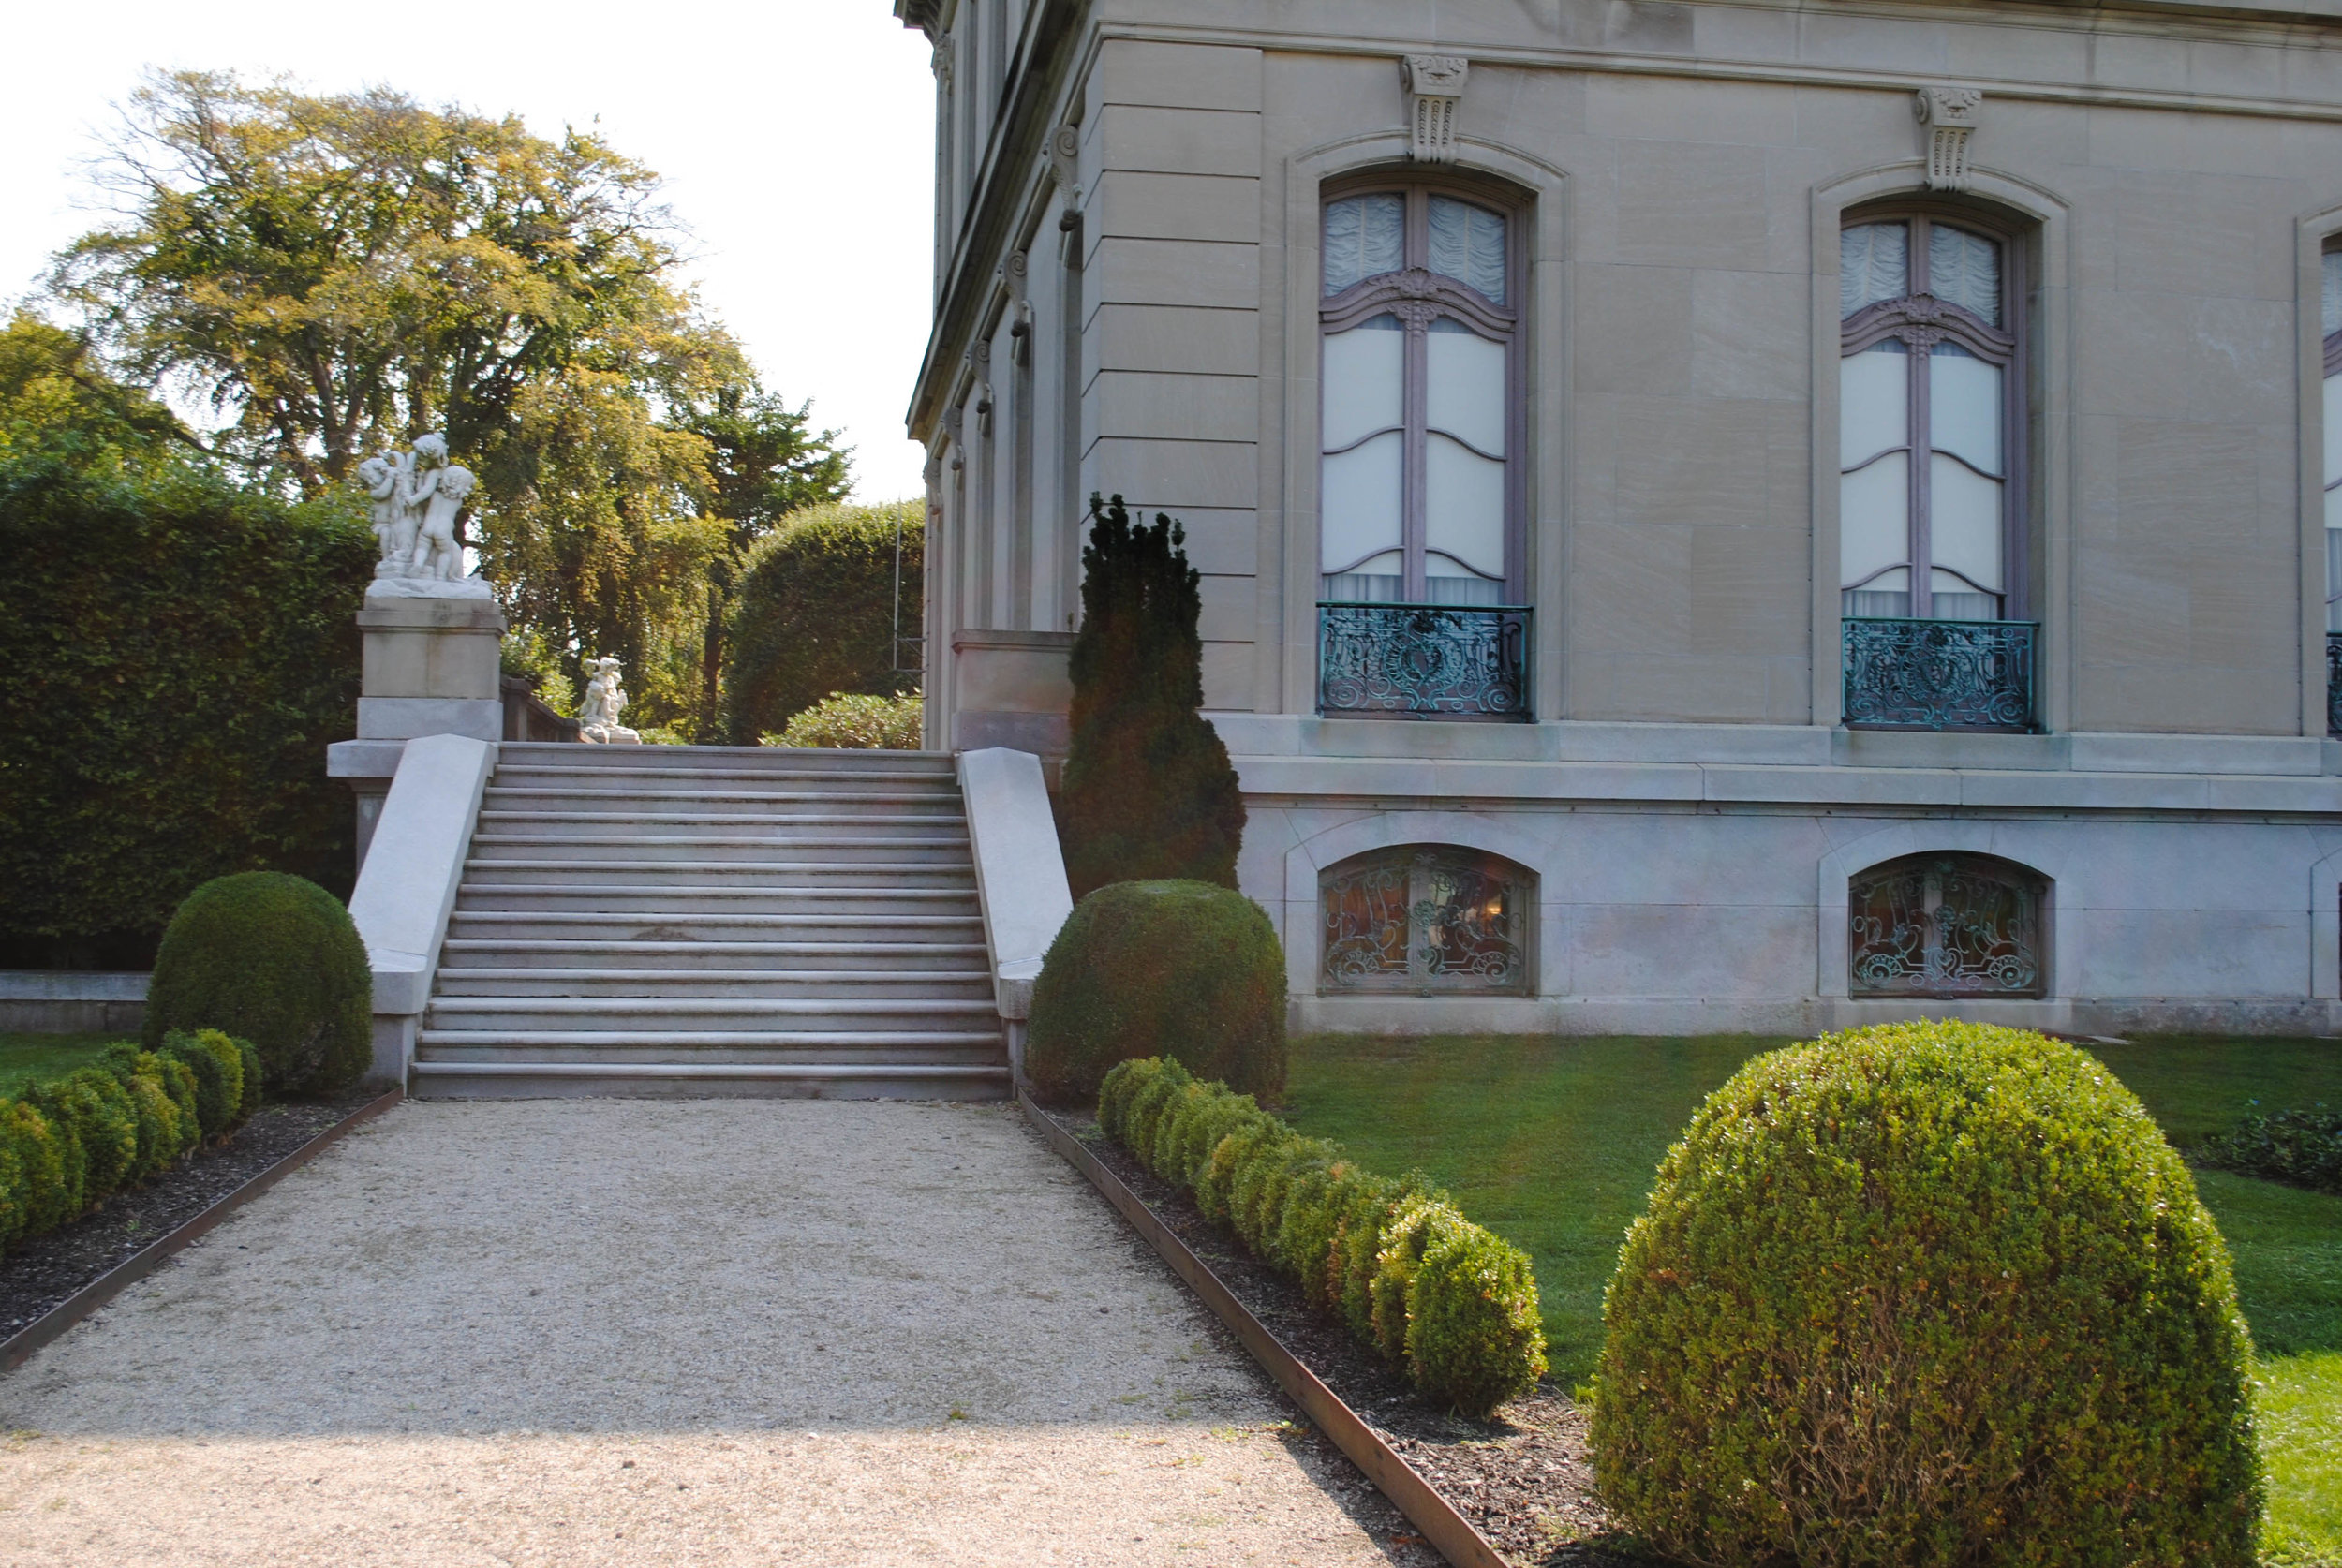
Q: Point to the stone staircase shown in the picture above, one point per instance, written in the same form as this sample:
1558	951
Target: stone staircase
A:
682	921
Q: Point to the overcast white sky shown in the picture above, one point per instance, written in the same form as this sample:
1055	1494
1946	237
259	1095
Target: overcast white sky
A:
796	138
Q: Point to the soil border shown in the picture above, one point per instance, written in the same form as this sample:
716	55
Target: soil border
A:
20	1346
1448	1531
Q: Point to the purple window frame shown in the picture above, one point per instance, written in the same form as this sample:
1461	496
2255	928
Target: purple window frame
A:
1418	296
1920	321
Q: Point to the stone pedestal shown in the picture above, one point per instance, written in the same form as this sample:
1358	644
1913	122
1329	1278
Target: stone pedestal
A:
431	668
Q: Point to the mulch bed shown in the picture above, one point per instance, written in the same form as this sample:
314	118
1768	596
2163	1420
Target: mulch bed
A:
39	1273
1524	1478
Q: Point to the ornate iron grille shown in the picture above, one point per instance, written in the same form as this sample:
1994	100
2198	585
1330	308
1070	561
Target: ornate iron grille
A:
2333	683
1912	674
1423	661
1945	926
1425	919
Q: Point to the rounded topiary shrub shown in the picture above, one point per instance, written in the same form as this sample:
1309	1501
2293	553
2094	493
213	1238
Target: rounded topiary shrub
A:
1927	1294
273	959
1182	970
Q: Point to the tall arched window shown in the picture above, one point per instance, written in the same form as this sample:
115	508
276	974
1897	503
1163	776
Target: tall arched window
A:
1930	401
1420	492
2330	323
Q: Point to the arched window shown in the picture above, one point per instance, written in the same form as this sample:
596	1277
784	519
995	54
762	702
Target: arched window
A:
1426	918
2330	323
1947	925
1420	490
1930	401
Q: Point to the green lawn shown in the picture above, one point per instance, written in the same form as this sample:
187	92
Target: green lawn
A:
1552	1143
25	1058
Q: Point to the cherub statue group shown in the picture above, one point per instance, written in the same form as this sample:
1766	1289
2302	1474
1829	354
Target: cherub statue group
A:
417	495
605	699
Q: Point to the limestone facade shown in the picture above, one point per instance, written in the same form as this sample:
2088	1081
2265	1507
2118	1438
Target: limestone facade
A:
1130	201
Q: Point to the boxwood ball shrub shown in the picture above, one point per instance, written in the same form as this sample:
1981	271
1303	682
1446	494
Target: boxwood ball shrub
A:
273	959
1182	970
1927	1294
1456	1306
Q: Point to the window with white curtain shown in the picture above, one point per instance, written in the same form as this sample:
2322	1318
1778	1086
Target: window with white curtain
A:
2330	323
1419	493
1929	426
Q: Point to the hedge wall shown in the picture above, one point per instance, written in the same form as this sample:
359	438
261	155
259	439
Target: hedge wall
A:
814	613
179	654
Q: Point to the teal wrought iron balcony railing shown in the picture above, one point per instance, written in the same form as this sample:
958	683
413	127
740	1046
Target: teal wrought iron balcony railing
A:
2333	684
1911	674
1423	661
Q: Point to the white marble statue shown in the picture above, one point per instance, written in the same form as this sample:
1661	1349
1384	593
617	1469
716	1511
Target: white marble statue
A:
415	497
605	699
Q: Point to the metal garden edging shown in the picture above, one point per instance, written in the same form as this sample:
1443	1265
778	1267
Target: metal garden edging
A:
20	1346
1449	1532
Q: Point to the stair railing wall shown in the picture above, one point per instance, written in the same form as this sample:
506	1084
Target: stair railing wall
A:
407	887
1020	879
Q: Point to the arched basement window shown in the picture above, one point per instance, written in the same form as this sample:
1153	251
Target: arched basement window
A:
1426	919
1947	925
1420	494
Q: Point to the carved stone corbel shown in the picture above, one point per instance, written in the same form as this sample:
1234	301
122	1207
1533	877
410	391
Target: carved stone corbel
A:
1435	84
1949	116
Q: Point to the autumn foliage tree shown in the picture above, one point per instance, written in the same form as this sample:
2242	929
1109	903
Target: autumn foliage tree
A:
339	273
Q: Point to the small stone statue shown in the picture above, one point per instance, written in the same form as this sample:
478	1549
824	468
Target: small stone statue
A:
605	699
415	497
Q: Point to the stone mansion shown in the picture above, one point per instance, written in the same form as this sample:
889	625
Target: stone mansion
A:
1714	514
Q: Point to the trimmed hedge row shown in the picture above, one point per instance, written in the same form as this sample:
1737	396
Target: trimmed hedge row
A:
70	1142
1453	1304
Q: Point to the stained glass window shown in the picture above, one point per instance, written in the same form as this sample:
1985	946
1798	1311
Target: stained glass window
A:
1426	919
1945	926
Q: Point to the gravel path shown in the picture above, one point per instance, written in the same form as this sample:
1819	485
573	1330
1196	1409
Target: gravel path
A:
712	1331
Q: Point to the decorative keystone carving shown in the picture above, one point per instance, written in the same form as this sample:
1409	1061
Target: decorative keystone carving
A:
1435	84
1949	114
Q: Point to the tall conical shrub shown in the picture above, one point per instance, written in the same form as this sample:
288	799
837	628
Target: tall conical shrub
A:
1148	791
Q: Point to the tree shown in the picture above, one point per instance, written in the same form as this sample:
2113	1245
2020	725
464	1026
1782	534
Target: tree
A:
764	462
334	274
1149	790
53	398
817	612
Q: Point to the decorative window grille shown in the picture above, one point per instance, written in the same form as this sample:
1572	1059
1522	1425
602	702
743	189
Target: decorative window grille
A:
1930	399
1426	919
1420	493
1947	925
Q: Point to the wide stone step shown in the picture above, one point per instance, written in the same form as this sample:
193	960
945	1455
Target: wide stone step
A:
929	1053
832	1017
792	985
707	849
664	901
662	1081
715	875
942	803
721	826
810	759
582	783
724	925
435	1039
877	959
